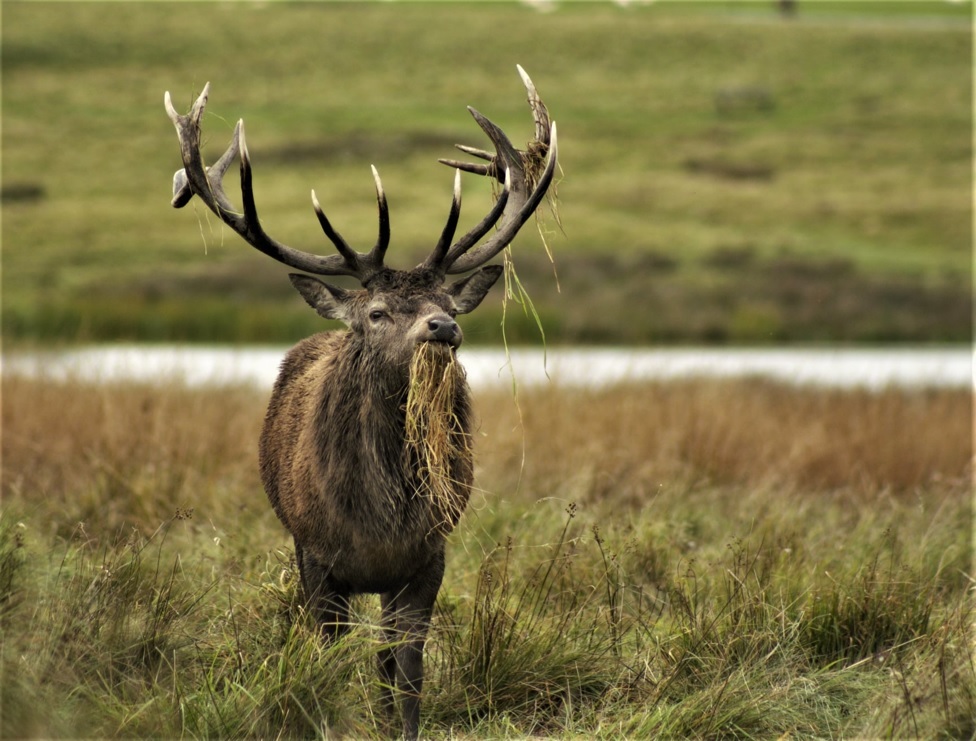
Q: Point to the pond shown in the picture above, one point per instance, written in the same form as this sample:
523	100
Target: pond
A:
844	367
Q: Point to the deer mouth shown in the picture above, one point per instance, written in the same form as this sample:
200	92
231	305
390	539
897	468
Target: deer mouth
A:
440	347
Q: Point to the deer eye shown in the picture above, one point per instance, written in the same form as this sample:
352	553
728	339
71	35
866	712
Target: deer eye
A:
376	314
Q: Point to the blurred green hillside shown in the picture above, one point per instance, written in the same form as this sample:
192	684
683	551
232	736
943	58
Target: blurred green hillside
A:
729	174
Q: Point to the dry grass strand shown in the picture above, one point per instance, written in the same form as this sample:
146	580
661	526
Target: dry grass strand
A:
435	437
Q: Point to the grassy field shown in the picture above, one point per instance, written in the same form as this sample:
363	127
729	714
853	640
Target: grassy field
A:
695	559
728	175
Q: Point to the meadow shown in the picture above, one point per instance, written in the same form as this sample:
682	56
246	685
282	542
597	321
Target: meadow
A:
684	559
689	559
728	175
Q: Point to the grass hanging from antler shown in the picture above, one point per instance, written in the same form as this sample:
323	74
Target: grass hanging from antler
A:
534	163
435	438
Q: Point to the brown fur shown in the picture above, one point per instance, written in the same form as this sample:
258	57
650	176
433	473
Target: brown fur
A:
369	501
337	470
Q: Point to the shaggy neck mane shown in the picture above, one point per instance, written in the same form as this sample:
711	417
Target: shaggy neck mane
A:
420	417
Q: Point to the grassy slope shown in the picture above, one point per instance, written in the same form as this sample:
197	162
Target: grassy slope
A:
807	574
727	175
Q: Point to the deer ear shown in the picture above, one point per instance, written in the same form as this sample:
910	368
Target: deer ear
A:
328	300
468	292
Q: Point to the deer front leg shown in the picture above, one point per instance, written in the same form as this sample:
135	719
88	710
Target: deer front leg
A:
328	605
387	662
406	620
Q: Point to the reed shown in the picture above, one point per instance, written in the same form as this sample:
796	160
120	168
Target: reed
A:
642	561
629	440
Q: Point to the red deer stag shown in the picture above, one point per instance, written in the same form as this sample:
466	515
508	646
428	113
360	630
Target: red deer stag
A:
342	469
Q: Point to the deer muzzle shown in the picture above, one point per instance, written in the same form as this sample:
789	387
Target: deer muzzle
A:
442	328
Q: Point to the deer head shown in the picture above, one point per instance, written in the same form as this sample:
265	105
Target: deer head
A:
414	304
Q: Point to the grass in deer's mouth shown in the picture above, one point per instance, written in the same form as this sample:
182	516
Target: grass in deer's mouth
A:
435	437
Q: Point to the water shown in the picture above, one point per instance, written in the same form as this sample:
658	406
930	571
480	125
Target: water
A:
844	367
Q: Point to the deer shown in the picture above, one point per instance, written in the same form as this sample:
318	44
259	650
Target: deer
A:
339	464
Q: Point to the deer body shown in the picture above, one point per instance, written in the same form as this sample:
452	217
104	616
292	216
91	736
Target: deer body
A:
347	473
334	464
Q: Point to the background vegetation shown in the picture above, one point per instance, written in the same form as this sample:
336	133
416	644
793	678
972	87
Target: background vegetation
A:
684	559
696	559
728	175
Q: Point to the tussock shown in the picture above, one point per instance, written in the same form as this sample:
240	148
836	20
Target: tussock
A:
435	439
718	577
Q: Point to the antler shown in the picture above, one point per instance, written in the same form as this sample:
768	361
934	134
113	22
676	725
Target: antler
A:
519	198
207	183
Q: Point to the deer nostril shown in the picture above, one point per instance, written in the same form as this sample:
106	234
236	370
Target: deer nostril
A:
442	329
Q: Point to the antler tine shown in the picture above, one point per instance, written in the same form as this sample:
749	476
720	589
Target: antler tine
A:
470	166
342	247
440	250
482	228
539	111
474	151
364	266
378	252
207	183
520	196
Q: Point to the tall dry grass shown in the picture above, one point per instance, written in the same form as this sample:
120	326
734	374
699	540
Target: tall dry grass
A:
622	443
126	455
138	451
682	559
